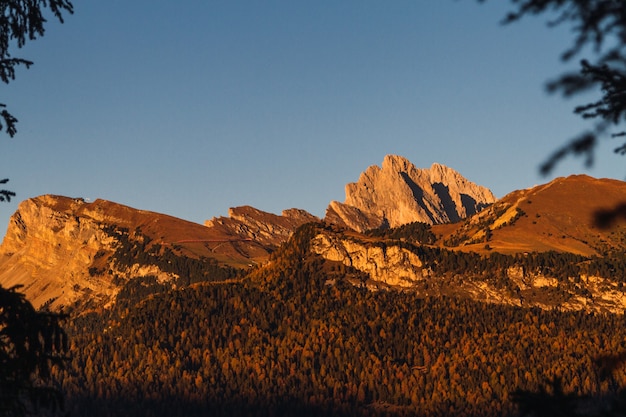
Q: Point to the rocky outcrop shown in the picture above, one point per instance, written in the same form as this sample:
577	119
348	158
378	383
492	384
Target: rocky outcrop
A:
264	228
399	193
48	249
349	216
395	264
64	251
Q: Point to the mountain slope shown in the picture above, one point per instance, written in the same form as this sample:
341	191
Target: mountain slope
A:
300	335
65	250
547	280
560	216
293	342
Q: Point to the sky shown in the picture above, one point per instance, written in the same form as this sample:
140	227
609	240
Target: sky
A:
189	108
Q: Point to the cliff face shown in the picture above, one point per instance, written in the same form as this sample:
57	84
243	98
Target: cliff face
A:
398	193
259	226
65	251
394	266
49	249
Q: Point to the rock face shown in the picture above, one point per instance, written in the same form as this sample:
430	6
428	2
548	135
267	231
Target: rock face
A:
393	265
49	248
398	193
66	251
262	227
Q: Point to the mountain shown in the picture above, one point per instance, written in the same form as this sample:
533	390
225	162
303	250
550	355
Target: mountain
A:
398	193
539	246
66	251
264	314
302	336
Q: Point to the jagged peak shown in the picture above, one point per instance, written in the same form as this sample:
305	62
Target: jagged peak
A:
399	163
398	193
440	173
396	163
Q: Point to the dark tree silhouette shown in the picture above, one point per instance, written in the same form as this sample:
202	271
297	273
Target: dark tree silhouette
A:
549	401
5	195
31	342
22	20
599	28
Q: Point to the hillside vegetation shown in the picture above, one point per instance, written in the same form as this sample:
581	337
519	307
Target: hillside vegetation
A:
301	337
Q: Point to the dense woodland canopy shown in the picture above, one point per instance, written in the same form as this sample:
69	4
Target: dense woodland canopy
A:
297	338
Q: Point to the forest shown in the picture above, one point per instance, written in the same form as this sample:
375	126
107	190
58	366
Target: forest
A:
297	338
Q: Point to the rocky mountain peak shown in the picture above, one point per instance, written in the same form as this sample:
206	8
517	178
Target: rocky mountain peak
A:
398	193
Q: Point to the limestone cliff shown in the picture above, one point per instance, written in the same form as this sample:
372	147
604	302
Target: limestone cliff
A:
65	251
49	248
394	266
259	226
398	193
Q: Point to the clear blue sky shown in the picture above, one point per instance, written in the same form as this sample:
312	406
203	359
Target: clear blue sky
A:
189	108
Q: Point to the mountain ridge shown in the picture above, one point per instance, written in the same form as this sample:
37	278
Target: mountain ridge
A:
67	252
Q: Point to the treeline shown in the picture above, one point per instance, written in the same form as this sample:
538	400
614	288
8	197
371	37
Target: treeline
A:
137	248
550	264
562	266
416	232
289	341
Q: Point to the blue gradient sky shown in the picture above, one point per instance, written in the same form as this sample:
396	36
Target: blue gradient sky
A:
189	108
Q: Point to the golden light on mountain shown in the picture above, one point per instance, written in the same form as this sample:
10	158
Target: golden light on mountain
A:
68	252
560	215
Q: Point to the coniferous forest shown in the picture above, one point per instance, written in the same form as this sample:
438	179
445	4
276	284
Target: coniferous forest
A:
299	338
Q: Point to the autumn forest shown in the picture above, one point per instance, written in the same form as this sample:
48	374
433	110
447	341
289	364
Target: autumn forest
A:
303	338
